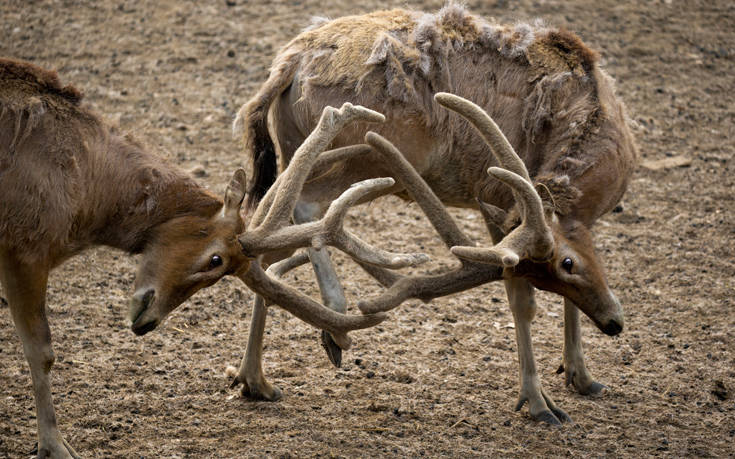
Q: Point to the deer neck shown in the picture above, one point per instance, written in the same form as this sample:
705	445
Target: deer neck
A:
136	192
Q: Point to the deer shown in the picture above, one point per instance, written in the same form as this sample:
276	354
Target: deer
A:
70	181
563	130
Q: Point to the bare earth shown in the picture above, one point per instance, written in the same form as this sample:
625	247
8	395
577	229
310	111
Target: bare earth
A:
434	380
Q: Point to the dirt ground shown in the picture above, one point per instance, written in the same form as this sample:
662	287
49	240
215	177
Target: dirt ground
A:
434	380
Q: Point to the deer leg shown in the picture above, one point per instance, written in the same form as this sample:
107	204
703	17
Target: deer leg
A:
25	288
573	364
523	306
250	374
333	295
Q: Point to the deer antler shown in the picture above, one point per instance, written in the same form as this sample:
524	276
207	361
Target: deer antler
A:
270	228
268	231
425	288
533	238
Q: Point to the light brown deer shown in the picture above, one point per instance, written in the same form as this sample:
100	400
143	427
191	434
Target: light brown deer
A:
548	95
69	181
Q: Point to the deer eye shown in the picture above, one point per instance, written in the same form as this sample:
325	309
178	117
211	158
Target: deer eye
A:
215	262
567	264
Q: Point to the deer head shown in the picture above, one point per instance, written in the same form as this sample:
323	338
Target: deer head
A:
553	254
187	254
575	272
192	253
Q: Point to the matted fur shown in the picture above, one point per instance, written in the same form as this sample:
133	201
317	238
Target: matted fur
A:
542	85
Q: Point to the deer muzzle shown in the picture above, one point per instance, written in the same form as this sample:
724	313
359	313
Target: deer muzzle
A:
139	306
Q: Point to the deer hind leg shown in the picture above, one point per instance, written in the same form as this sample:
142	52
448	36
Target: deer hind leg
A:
250	374
523	305
25	288
331	290
573	365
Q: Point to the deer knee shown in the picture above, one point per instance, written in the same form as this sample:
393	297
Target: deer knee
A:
522	299
47	358
524	308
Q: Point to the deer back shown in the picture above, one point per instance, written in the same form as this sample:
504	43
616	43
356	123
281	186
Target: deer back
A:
541	85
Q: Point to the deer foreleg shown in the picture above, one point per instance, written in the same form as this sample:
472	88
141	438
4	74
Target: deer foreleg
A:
250	374
25	288
523	306
573	365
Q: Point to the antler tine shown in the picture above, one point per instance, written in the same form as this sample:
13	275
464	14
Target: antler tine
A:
306	309
279	268
334	234
324	160
489	131
329	231
428	287
338	154
532	239
494	216
425	288
293	178
419	191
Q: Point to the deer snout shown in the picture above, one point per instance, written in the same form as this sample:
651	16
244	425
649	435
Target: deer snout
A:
612	328
614	323
139	304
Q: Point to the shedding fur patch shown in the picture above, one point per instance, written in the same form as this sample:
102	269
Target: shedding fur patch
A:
26	93
400	57
399	62
26	118
16	73
563	195
403	45
315	22
561	51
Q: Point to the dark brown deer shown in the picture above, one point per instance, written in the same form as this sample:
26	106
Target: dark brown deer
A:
69	181
548	95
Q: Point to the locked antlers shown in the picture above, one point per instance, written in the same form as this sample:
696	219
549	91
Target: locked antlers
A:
270	228
532	239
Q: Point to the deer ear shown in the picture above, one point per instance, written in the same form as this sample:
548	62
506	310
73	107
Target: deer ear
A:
494	216
547	199
235	193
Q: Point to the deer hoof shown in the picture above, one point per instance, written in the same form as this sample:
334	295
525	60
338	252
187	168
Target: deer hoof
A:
257	390
593	388
334	352
264	391
582	382
561	415
547	417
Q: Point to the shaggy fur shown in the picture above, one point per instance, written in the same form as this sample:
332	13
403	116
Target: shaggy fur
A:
542	86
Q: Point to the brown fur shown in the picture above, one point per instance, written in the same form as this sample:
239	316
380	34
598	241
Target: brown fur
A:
17	74
541	85
69	180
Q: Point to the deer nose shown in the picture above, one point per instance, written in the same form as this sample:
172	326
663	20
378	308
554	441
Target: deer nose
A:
140	302
612	328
